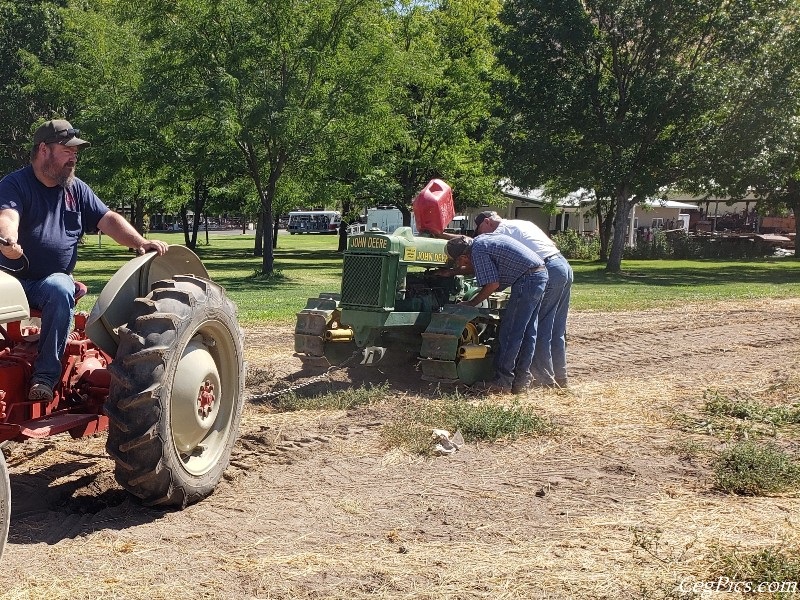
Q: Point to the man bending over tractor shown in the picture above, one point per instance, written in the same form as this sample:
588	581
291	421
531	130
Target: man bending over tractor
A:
500	262
549	366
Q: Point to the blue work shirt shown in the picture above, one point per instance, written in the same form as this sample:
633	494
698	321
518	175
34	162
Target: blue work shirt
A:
51	221
498	258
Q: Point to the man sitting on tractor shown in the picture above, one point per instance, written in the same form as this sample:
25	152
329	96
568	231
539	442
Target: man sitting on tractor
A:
45	209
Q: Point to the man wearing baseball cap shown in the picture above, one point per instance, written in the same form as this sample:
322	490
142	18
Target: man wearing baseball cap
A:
44	211
60	132
500	262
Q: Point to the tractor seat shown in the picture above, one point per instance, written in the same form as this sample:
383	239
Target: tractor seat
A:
80	291
29	332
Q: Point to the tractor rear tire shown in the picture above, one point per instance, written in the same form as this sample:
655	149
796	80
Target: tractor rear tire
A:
177	392
5	503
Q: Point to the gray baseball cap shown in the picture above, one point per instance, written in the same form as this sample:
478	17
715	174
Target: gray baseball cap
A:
58	131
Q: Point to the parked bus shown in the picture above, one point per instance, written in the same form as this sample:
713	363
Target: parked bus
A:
314	221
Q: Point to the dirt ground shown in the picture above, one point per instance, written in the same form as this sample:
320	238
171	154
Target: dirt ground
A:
315	505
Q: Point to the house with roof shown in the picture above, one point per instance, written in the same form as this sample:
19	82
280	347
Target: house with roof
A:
674	211
575	212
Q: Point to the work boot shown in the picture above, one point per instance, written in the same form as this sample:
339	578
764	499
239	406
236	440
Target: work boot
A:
521	387
41	392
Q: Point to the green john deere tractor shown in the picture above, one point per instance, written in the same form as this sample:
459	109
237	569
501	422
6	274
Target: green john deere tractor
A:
393	303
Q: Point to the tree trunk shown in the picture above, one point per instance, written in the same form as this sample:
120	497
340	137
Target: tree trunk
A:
793	202
137	207
199	196
347	207
621	220
406	215
185	224
605	236
267	200
268	262
263	245
342	236
604	208
258	244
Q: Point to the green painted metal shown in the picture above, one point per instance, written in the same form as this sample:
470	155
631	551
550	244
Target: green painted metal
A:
376	264
419	251
462	371
440	347
441	338
359	319
391	297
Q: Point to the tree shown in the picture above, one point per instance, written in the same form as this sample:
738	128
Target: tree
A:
273	75
613	94
442	92
756	133
30	36
99	45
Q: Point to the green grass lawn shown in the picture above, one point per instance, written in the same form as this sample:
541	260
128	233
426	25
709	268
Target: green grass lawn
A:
309	264
653	283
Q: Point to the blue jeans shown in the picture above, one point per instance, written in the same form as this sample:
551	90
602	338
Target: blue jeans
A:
55	297
518	330
550	358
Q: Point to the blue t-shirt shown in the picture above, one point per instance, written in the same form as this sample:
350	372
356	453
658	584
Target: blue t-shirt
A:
51	221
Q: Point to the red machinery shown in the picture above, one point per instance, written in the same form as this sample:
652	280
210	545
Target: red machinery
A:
77	405
171	398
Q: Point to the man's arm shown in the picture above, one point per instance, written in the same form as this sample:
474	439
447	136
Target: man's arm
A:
9	229
118	229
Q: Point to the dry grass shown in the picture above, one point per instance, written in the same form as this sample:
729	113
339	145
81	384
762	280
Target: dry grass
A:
620	504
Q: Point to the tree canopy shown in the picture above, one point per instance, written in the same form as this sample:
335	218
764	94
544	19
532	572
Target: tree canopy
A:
260	106
615	94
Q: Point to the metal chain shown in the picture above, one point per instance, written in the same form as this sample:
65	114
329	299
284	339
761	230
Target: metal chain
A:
313	380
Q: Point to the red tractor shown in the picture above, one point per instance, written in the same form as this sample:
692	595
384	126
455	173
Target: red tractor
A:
158	363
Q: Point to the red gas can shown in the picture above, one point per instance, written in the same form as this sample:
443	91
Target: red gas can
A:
433	207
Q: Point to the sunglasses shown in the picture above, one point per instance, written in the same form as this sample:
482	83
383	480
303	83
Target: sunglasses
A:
62	136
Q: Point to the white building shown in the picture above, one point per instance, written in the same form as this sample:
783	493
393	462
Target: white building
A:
574	212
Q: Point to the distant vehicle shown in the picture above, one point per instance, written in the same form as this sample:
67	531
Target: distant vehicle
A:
314	221
356	228
382	218
460	225
385	218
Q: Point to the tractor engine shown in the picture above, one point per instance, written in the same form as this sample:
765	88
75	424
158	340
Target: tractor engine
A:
426	292
82	389
392	298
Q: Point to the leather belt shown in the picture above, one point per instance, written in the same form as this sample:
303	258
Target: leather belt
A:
551	257
531	271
